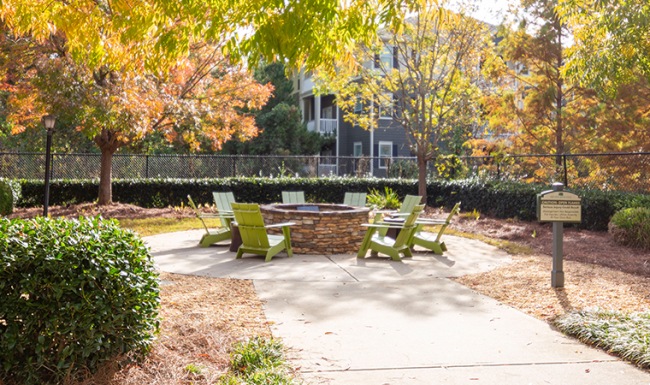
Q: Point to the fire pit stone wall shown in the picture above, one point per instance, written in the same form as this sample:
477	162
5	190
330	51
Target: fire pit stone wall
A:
320	228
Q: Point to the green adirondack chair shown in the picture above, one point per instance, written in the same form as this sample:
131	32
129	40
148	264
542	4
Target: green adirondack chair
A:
255	239
223	201
409	202
356	199
393	247
293	197
432	241
211	236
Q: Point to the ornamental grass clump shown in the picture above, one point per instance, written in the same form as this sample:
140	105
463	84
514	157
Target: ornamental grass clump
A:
77	296
258	362
631	227
626	335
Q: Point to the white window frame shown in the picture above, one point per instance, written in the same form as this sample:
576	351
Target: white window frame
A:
357	149
382	154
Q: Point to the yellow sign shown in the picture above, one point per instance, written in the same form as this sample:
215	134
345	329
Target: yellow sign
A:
559	206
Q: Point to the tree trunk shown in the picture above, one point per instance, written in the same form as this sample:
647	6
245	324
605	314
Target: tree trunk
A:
105	173
108	144
422	176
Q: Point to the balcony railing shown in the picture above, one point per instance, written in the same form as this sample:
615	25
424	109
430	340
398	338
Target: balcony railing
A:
327	126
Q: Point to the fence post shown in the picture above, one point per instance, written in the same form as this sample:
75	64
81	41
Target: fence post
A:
498	167
146	166
234	166
52	167
566	178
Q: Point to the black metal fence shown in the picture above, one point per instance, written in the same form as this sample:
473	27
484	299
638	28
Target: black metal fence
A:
610	171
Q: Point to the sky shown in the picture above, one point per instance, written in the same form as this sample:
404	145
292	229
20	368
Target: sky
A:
491	11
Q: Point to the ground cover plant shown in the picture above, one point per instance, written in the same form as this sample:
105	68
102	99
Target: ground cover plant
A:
626	335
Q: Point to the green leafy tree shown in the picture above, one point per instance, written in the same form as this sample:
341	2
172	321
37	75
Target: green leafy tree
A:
120	42
611	45
536	97
282	131
154	34
542	111
431	87
536	108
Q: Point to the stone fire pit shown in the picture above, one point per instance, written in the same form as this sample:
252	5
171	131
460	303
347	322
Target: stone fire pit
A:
320	228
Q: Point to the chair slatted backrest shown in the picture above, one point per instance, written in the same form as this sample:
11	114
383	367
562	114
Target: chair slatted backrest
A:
409	203
409	226
251	224
455	210
293	197
356	199
197	212
224	200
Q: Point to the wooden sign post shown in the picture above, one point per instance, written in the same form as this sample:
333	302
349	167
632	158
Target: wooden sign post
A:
558	206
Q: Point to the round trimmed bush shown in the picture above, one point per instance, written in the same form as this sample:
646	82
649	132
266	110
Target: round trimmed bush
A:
631	227
76	295
9	195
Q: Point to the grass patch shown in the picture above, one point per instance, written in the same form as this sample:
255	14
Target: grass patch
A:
152	226
258	361
626	335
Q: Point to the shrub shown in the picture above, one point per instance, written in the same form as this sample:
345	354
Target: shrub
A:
9	196
76	295
631	227
386	200
402	168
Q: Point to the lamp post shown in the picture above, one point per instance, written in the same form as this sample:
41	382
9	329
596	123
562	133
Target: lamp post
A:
48	122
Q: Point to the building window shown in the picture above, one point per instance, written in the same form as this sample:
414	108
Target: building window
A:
358	104
385	61
386	106
385	153
328	112
357	150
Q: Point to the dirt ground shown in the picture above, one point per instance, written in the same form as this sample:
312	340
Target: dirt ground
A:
202	315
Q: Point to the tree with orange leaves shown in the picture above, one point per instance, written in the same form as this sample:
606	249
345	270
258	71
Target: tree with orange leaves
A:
202	98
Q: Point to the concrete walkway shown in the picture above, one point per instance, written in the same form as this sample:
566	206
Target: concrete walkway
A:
351	321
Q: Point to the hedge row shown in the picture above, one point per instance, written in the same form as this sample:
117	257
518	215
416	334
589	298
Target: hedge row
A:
173	192
494	198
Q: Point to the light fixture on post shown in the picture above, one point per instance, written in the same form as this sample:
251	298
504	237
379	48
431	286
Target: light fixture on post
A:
48	122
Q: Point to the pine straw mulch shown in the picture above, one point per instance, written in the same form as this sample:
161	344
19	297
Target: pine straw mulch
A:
202	317
598	272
